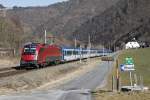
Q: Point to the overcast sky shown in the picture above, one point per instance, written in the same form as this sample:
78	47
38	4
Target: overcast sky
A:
25	3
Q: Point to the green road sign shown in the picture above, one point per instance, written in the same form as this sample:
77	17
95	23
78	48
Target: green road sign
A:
129	61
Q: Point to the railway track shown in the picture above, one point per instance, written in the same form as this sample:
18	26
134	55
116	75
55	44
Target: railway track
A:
11	71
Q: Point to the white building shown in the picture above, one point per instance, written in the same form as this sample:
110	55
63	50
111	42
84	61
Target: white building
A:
132	45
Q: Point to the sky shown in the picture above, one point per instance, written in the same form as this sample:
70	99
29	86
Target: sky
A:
25	3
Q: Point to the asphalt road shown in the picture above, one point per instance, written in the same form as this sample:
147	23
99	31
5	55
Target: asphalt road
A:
89	80
76	89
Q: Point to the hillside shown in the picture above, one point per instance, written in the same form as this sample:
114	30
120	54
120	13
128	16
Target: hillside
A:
109	22
118	24
10	33
61	18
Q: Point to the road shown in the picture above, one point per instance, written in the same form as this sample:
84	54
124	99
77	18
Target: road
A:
89	80
77	89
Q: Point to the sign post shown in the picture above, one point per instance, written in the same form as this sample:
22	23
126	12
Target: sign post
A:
128	66
129	61
131	78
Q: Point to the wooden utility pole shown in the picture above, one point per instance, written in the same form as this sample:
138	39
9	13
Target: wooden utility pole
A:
75	43
103	50
89	47
117	75
80	54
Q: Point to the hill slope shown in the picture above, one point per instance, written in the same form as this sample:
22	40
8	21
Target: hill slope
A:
109	22
62	18
120	23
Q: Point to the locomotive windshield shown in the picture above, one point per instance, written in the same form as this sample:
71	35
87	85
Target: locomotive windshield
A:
29	50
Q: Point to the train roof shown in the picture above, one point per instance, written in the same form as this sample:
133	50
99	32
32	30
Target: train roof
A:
63	47
38	44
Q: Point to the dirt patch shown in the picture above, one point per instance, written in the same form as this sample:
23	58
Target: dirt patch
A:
46	77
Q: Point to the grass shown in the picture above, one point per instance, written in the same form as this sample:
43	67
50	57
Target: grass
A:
122	96
141	59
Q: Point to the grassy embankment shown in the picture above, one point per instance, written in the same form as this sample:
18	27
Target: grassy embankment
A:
142	66
141	59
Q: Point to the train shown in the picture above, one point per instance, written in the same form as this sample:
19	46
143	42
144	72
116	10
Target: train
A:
40	55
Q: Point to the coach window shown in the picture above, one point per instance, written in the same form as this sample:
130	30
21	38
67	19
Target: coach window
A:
69	52
75	53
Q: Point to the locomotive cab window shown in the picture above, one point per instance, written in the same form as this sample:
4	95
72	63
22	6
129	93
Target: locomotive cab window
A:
29	50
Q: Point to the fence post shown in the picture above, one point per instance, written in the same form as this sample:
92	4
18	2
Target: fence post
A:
113	83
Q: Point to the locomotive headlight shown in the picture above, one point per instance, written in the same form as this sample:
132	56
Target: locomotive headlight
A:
36	55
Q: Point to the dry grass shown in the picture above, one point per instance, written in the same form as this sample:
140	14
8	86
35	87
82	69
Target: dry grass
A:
47	77
8	62
121	96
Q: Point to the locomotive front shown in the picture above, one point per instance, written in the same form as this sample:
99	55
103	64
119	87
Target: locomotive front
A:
29	55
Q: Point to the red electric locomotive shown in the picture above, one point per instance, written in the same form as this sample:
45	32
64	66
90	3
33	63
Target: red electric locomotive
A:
36	55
